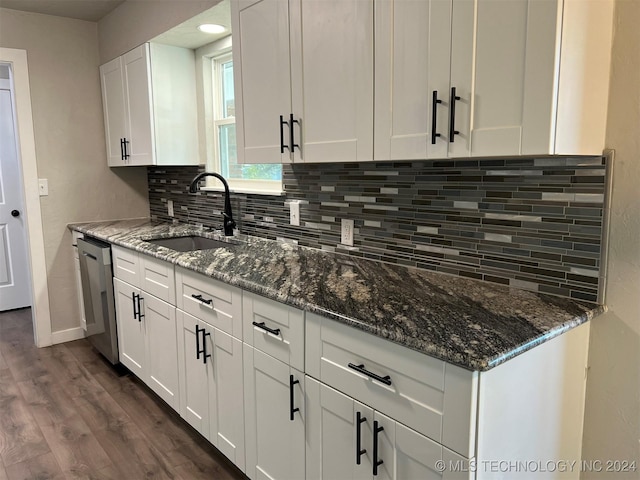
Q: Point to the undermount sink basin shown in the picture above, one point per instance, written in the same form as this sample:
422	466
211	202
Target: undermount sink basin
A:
190	243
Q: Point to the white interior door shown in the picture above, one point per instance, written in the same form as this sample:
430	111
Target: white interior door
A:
14	267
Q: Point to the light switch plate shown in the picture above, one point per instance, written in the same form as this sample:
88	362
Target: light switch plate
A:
43	187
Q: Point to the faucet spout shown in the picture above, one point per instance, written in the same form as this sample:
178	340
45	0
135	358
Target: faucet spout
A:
228	221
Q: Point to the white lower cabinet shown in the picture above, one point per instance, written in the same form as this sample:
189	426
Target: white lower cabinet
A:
274	404
76	264
346	439
308	397
162	349
147	339
131	329
211	385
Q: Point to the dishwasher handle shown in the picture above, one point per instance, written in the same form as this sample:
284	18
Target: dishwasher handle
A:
86	254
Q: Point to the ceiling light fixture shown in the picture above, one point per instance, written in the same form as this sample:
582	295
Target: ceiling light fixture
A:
211	28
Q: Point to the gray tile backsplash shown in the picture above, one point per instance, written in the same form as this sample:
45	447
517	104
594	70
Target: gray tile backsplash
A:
533	223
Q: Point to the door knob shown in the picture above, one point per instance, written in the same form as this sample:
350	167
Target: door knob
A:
15	213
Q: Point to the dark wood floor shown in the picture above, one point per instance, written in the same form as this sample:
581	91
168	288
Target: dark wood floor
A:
66	413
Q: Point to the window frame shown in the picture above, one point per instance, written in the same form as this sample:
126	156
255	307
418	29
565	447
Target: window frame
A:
212	132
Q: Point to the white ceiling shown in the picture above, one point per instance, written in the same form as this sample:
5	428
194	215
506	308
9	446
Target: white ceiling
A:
91	10
184	35
187	34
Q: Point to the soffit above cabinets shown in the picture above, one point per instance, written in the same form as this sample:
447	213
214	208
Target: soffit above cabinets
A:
187	35
91	11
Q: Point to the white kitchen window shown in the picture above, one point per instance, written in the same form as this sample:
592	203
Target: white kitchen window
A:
260	178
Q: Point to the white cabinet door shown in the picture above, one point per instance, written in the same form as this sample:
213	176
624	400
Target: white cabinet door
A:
113	104
131	329
162	348
76	263
332	79
262	76
275	430
338	428
195	373
417	456
211	385
503	59
139	111
226	390
412	65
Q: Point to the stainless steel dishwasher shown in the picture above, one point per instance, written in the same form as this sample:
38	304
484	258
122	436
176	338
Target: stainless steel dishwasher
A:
97	291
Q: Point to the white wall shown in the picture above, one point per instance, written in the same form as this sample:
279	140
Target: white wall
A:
70	148
137	21
612	417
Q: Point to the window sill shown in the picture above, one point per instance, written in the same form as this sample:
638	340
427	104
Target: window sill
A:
249	190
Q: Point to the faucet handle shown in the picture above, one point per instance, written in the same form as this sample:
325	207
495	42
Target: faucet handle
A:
229	225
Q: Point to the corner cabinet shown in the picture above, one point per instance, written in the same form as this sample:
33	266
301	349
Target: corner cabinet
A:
150	115
303	80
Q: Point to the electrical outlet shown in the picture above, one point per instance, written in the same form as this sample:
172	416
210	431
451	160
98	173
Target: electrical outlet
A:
347	232
294	209
170	208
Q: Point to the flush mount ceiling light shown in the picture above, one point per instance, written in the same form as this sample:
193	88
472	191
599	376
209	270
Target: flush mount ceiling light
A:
211	28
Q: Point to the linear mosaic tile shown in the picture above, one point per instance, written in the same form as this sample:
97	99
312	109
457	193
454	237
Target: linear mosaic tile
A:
532	223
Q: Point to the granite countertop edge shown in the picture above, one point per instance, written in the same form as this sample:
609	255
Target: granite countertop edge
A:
126	239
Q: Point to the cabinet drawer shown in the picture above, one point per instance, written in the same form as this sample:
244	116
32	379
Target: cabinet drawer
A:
435	398
218	304
274	328
126	265
157	278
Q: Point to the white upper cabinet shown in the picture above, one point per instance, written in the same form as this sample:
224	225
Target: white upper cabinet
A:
149	103
304	80
138	113
114	110
262	75
412	68
512	77
532	76
332	79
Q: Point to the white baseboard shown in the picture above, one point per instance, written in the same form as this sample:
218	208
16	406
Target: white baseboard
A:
68	335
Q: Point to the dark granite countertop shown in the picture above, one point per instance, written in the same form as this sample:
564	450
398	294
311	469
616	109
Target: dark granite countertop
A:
469	323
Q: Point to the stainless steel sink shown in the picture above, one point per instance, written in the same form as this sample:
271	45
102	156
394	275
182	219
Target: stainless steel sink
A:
190	243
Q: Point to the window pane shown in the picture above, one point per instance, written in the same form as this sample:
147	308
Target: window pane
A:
228	109
229	160
228	157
